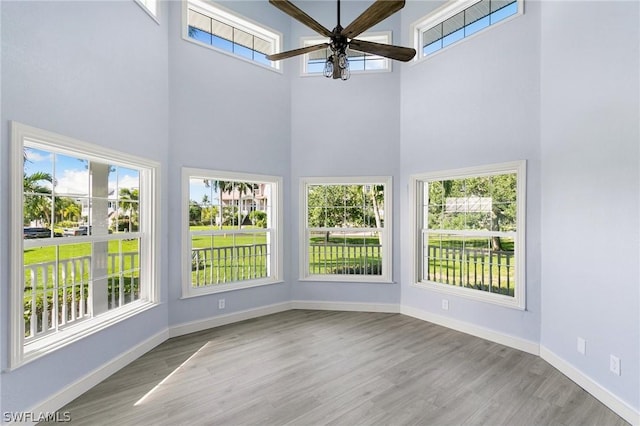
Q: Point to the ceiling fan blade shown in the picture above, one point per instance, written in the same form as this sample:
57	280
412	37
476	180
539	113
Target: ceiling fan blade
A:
378	11
292	10
398	53
296	52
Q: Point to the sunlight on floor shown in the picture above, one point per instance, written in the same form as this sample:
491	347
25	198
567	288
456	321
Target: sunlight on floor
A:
156	387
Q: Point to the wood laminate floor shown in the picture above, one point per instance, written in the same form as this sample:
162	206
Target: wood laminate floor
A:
337	368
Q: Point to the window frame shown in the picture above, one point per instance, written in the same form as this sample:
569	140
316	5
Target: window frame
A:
441	14
149	246
387	241
277	222
417	181
368	36
235	20
151	11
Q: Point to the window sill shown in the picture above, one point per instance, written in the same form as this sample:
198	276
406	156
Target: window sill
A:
347	279
188	293
478	295
48	344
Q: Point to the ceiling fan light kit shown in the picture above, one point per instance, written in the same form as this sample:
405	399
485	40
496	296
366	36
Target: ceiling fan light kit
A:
342	39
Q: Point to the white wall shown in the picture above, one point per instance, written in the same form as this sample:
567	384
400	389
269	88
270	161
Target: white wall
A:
590	181
95	71
476	103
343	129
231	115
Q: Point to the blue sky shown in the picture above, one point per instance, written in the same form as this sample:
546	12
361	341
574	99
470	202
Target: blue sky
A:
71	173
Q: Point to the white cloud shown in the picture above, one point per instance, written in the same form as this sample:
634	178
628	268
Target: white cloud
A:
73	182
37	156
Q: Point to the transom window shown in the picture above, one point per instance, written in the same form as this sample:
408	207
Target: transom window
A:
149	6
314	62
211	25
346	228
470	232
459	19
84	239
232	231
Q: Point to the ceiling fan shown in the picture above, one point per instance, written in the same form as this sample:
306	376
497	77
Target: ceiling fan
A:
341	39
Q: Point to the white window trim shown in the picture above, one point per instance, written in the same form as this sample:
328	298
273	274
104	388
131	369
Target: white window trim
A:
368	36
144	4
387	249
440	15
277	220
235	20
519	167
18	356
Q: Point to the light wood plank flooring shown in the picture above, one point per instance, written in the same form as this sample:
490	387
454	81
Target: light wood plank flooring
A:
337	368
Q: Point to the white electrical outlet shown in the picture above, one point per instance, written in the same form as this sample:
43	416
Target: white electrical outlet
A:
445	304
614	365
221	304
582	346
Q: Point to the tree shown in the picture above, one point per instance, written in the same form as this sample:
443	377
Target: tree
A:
195	212
499	189
128	202
67	209
229	187
37	198
344	206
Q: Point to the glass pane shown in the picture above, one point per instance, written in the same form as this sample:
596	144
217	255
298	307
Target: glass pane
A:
481	263
476	12
201	36
123	269
74	282
228	258
199	21
37	211
222	30
375	63
261	45
432	35
433	47
129	181
69	214
453	24
243	51
222	43
71	176
504	217
477	26
243	38
345	253
504	12
503	187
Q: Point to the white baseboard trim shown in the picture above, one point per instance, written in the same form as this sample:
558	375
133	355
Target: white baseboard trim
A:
193	326
82	385
598	391
346	306
77	388
474	330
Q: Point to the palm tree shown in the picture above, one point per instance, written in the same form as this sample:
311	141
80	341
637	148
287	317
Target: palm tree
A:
128	201
219	186
36	202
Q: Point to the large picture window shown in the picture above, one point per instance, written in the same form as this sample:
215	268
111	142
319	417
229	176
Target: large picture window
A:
84	239
470	232
232	231
346	227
